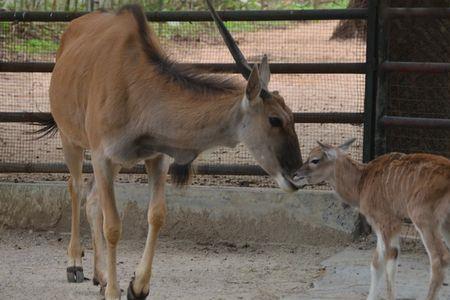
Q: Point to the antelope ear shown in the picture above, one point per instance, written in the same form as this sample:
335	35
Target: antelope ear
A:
264	72
329	151
253	86
347	144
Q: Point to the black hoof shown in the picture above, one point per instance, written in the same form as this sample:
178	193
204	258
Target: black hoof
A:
75	274
95	281
102	290
132	296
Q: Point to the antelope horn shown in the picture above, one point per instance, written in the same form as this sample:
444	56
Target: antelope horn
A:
241	62
239	58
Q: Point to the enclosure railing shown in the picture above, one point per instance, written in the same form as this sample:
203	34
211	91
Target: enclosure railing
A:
386	14
368	68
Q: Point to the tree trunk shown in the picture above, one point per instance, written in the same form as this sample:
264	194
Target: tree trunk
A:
348	29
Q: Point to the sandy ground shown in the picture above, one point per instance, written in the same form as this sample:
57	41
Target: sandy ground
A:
347	276
32	266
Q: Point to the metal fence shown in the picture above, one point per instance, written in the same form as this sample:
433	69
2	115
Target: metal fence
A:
413	101
328	84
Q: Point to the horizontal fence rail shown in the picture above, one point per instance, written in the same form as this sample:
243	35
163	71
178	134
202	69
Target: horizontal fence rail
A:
353	118
333	117
433	123
203	16
275	68
416	67
417	12
218	169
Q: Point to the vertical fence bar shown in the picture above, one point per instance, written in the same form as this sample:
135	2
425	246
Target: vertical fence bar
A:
371	81
370	99
382	89
90	5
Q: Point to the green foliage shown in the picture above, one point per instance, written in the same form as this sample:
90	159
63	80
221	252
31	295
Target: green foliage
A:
5	27
339	4
35	46
186	31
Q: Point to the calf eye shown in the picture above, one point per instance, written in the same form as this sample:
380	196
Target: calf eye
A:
315	161
275	122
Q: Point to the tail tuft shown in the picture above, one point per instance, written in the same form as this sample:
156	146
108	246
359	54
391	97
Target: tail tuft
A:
48	127
181	174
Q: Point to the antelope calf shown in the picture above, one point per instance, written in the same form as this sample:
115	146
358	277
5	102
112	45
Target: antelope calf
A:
387	190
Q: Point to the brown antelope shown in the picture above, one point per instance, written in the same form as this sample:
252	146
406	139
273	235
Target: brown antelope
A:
387	190
114	91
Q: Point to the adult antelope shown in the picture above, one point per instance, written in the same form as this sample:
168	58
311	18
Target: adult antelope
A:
114	91
387	190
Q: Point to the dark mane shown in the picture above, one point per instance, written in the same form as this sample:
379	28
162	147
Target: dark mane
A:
189	78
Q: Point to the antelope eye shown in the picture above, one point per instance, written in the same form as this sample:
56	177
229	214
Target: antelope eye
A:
275	122
315	161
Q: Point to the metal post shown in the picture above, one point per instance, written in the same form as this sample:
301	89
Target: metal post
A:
371	81
370	99
381	93
90	5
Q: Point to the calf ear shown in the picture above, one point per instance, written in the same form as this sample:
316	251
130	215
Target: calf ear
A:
324	146
347	144
253	86
329	151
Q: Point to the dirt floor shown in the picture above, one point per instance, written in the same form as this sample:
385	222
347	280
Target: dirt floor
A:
32	266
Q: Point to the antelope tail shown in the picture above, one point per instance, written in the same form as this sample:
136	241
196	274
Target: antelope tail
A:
48	127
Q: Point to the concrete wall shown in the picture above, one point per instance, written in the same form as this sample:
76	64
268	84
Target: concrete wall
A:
199	213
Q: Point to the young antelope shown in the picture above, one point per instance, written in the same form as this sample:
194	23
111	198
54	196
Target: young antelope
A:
387	190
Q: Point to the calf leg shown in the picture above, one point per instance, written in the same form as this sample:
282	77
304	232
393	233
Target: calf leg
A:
391	261
445	231
73	156
437	253
377	267
157	170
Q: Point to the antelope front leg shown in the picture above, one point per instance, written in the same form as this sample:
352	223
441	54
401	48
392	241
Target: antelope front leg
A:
112	227
437	252
157	169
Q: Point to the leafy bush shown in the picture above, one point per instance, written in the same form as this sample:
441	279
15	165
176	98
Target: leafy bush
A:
35	46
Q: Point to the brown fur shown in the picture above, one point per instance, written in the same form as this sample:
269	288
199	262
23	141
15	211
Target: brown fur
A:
387	190
114	91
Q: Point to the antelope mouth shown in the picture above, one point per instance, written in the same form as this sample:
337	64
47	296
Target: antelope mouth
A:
300	181
287	183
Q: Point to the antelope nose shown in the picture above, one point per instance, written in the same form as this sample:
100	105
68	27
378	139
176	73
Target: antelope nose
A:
298	176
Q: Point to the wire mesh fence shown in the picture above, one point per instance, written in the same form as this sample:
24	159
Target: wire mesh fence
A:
198	42
417	94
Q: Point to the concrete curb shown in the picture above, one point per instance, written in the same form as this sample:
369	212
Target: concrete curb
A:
201	213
